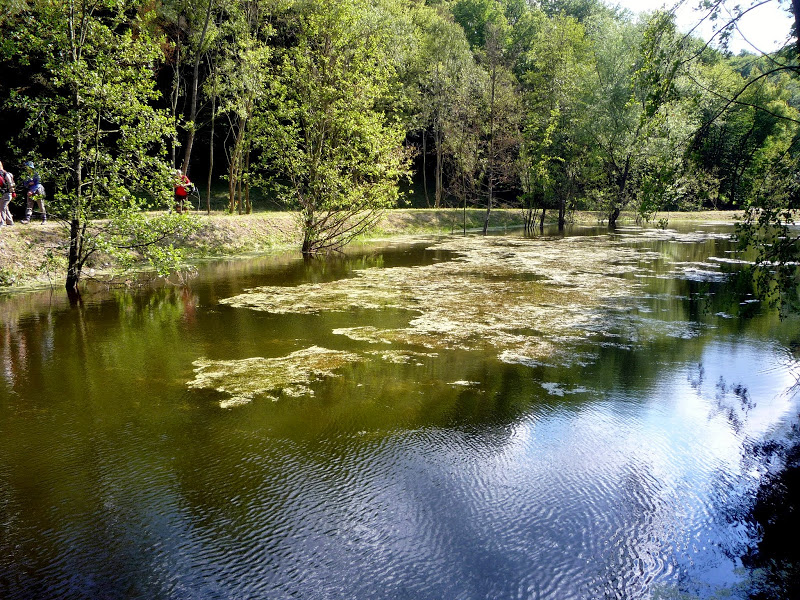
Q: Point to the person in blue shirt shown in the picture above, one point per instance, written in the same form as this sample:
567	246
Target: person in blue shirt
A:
34	191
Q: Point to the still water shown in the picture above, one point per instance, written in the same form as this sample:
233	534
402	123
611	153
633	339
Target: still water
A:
547	418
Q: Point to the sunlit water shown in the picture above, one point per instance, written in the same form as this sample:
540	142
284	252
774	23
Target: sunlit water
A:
602	450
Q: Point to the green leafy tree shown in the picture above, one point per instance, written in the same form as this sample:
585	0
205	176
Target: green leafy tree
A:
749	141
92	119
489	27
769	223
448	69
557	67
617	129
636	109
241	85
333	152
503	116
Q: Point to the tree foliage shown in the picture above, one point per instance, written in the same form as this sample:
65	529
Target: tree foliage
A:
335	153
92	120
327	106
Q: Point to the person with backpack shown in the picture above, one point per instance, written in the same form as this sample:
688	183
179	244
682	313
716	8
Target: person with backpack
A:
183	187
34	192
7	194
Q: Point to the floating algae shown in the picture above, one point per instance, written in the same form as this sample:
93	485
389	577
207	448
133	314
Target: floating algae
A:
400	357
531	301
494	289
249	378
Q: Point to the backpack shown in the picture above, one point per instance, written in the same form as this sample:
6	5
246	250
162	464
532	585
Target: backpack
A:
7	183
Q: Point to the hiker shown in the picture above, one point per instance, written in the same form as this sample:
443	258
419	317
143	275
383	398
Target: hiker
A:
8	194
183	187
34	192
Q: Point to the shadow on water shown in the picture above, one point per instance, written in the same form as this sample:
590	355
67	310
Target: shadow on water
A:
774	561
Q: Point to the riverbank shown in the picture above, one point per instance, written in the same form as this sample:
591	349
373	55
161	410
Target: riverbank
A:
33	256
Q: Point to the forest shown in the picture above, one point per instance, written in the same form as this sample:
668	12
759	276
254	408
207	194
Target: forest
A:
336	110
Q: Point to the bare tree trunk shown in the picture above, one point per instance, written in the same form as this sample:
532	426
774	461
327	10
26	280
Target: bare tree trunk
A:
490	164
193	104
174	104
425	167
439	165
307	249
213	68
211	153
235	166
612	217
74	263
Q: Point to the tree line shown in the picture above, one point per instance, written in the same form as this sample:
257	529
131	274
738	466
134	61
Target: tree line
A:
333	107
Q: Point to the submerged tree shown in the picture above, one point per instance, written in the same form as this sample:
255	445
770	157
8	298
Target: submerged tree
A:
333	152
92	119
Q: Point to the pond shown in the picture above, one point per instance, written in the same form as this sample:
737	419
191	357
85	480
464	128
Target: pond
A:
456	417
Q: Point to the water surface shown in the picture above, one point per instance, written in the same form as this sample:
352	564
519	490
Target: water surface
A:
440	418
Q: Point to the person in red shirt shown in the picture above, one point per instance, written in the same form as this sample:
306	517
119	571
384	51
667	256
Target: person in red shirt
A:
183	188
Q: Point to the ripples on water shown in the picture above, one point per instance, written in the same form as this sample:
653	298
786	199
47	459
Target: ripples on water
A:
625	476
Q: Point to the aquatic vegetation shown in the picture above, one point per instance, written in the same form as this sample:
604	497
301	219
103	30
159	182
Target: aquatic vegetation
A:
490	296
557	389
529	301
291	375
463	383
402	356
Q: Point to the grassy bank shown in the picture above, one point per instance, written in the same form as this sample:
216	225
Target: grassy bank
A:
33	255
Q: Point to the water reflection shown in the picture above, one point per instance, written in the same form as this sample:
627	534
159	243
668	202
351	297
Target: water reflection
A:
623	472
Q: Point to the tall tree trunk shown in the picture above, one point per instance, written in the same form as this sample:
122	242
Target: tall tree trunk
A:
210	156
425	167
439	165
211	139
173	146
490	164
235	166
193	103
74	262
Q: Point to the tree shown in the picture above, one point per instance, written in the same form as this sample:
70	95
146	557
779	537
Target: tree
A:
325	137
633	105
200	47
488	26
463	138
242	84
729	140
503	117
93	121
448	68
556	68
768	170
